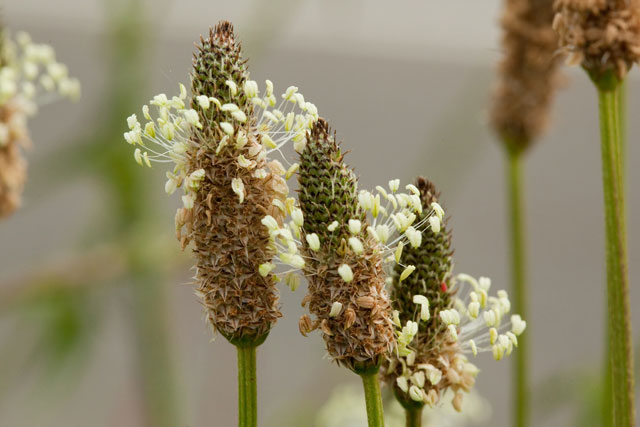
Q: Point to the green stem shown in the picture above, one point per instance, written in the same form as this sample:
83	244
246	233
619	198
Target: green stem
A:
619	324
161	403
518	279
621	98
414	417
622	109
247	387
373	399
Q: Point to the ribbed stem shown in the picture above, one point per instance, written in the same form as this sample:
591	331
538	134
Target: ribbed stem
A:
373	398
618	321
518	279
414	417
247	387
607	404
622	112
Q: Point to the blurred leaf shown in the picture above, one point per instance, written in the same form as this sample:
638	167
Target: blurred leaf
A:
54	330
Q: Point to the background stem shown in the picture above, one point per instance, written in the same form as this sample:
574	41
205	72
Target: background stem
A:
518	279
154	355
414	417
619	324
247	387
373	399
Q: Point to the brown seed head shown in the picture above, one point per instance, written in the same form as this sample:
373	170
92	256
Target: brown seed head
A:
528	72
229	240
601	35
13	167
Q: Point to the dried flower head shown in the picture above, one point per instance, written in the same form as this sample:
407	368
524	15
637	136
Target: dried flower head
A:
529	72
235	196
601	35
439	318
347	237
29	76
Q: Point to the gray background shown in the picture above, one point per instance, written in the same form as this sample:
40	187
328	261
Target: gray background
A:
406	85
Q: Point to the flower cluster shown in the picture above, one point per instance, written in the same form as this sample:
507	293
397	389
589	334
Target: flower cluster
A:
30	70
440	318
219	141
600	35
173	127
347	237
29	76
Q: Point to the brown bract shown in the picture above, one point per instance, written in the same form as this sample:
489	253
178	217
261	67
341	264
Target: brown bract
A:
601	35
13	167
362	332
528	72
230	243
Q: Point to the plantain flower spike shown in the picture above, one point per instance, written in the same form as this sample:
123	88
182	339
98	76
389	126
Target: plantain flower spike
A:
440	319
601	35
30	77
347	292
529	72
350	240
235	197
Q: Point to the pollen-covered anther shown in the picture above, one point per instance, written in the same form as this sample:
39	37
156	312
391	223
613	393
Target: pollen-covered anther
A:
345	273
424	306
517	324
416	393
336	309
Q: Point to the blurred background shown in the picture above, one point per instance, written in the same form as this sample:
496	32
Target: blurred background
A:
98	323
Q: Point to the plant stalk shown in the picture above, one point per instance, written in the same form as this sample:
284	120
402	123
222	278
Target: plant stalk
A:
247	387
373	398
618	319
518	279
154	354
607	404
414	416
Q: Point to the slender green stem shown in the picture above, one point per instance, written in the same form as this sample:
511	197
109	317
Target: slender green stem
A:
414	417
619	324
247	387
154	355
518	279
622	111
373	398
621	99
